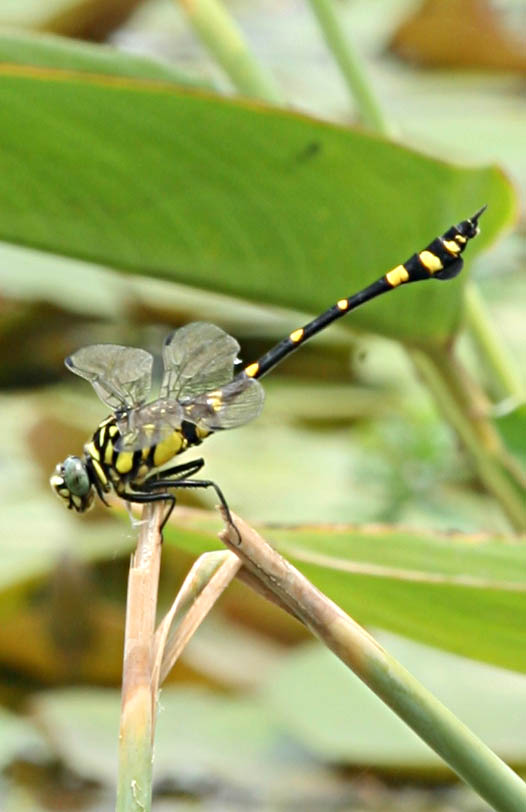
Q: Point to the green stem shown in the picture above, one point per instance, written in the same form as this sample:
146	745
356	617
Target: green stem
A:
134	786
351	67
222	36
490	345
471	759
464	406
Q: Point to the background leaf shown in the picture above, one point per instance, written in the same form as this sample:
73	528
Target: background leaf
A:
48	51
323	704
158	192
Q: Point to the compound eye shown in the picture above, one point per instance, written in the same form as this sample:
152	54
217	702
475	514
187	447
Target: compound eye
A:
76	476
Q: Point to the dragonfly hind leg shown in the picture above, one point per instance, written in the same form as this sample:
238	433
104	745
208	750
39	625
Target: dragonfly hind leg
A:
143	493
150	485
185	468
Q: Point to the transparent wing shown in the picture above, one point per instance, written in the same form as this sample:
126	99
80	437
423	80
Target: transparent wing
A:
197	358
121	376
149	425
230	406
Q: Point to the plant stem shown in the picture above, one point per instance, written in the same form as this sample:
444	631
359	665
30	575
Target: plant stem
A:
222	36
469	757
351	66
202	587
465	407
134	787
490	345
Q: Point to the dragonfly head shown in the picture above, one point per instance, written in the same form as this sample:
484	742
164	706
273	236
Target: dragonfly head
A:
71	482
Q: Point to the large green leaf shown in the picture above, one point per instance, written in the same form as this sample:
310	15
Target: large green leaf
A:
228	195
455	592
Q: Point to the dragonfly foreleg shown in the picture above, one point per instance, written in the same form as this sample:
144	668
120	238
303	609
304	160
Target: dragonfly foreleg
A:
140	497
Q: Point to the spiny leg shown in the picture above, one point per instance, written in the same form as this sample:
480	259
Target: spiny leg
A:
139	495
192	483
188	468
191	467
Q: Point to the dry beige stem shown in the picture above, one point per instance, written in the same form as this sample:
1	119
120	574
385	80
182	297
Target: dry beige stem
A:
295	593
141	607
134	786
204	584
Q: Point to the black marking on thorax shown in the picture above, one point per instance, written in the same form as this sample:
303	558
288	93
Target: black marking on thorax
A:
189	432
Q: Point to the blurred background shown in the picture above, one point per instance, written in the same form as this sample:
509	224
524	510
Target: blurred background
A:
356	458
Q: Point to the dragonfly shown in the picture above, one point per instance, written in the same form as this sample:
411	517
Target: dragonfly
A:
131	450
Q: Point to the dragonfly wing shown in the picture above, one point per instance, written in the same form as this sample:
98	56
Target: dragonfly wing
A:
121	376
197	358
227	407
149	425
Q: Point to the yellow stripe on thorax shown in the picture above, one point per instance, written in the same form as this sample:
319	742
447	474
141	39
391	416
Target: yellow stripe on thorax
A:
166	449
100	472
94	453
109	449
91	449
108	452
124	462
101	432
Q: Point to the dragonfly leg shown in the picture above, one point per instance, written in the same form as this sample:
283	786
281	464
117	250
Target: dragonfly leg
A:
144	492
188	468
141	498
191	483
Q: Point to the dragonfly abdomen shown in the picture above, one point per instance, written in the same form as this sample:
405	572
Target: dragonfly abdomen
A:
441	259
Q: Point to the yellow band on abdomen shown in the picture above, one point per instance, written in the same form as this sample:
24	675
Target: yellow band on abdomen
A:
397	276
